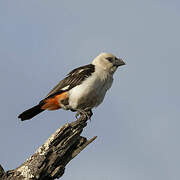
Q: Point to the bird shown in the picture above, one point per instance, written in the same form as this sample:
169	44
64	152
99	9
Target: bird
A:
83	89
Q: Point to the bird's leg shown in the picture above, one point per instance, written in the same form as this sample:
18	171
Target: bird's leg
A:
89	113
81	112
86	112
77	114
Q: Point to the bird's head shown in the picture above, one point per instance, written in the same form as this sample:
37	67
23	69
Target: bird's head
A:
108	62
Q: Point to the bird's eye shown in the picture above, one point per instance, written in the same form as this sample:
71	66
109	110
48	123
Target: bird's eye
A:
110	59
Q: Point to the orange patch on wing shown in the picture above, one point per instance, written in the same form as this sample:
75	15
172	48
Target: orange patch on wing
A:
54	103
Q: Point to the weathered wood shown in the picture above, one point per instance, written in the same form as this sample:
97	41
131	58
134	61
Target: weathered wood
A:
2	173
49	161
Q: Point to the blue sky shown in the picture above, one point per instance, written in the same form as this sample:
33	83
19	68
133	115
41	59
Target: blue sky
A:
138	123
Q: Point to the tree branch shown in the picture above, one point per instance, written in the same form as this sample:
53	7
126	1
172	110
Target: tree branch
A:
50	159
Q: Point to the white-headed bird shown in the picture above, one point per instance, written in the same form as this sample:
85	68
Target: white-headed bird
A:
81	90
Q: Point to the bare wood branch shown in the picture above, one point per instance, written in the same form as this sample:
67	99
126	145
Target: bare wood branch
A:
49	161
2	173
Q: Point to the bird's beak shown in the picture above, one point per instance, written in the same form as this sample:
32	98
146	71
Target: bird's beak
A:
119	62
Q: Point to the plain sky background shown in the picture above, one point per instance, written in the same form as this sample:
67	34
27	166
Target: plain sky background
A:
138	123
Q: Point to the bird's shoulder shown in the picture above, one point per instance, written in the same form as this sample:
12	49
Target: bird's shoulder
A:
86	70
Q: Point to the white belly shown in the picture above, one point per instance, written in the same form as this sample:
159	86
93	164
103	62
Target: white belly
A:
90	93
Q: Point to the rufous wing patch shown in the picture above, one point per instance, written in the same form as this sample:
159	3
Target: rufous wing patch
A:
55	102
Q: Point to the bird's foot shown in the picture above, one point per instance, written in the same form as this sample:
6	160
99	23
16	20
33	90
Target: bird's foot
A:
77	114
87	113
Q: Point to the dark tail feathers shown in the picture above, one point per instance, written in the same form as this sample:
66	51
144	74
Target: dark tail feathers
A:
30	113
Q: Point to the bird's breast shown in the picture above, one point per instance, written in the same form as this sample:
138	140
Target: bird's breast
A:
90	93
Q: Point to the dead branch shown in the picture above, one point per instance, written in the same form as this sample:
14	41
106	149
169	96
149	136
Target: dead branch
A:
50	160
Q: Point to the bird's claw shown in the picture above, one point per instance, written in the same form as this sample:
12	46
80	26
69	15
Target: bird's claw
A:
77	114
86	113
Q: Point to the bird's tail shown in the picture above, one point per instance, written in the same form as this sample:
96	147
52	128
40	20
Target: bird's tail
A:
30	113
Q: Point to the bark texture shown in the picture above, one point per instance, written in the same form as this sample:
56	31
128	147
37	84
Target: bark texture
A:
50	160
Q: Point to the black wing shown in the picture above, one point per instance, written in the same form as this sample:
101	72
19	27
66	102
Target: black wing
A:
74	78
